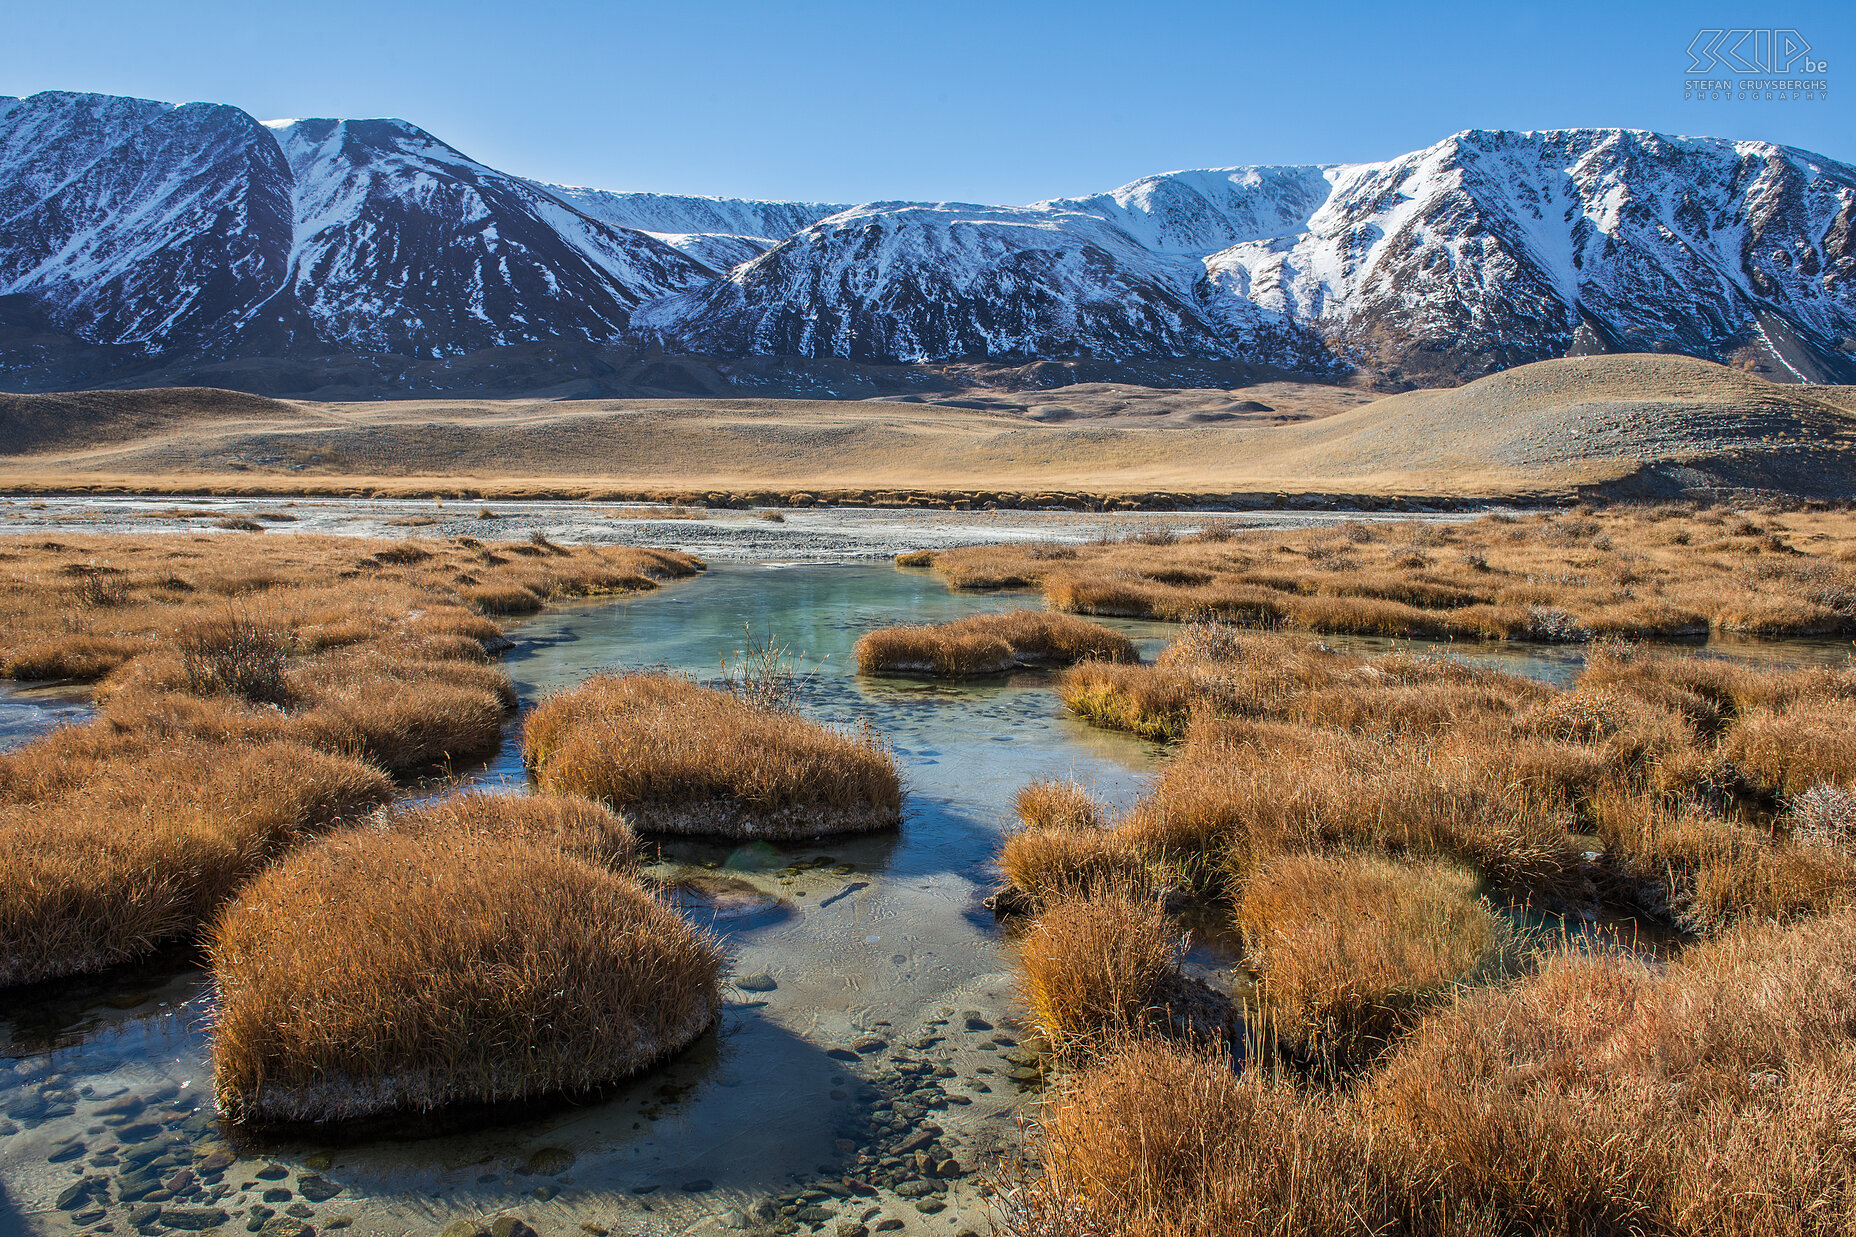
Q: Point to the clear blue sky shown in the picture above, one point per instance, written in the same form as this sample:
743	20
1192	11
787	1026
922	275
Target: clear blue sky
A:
977	100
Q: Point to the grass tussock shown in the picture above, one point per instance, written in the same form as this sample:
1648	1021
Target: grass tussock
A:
1063	849
113	843
1097	964
1153	1139
1349	949
1630	572
1682	766
1598	1095
579	827
1054	804
990	644
251	695
460	955
677	757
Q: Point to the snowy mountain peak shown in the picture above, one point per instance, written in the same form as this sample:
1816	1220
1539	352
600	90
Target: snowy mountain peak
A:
161	233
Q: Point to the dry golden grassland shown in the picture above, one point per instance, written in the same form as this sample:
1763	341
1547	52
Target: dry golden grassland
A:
253	691
1626	571
990	644
1414	1064
1597	1095
481	949
678	757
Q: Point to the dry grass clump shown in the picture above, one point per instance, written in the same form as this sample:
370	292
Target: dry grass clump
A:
1240	792
1600	1095
990	644
240	684
1604	1096
114	843
680	758
82	607
439	962
1704	869
1063	849
1054	804
1682	766
1349	949
1097	963
1550	577
1287	676
580	827
1154	1139
1043	864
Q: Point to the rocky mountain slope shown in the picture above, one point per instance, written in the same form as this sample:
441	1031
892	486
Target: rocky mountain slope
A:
143	241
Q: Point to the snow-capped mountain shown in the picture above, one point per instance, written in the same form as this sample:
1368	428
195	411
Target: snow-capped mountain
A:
197	231
1494	248
403	245
910	282
140	224
718	232
143	238
1484	251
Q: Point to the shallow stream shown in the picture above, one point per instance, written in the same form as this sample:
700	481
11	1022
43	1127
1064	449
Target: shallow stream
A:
870	1007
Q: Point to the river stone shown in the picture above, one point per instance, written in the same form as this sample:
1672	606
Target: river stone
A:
286	1226
928	1206
851	1228
317	1189
762	982
193	1218
215	1162
815	1214
914	1189
272	1172
144	1215
70	1151
463	1228
889	1225
866	1044
300	1210
278	1194
74	1195
550	1161
89	1215
509	1226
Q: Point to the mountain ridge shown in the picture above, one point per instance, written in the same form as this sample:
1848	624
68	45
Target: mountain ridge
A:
144	241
